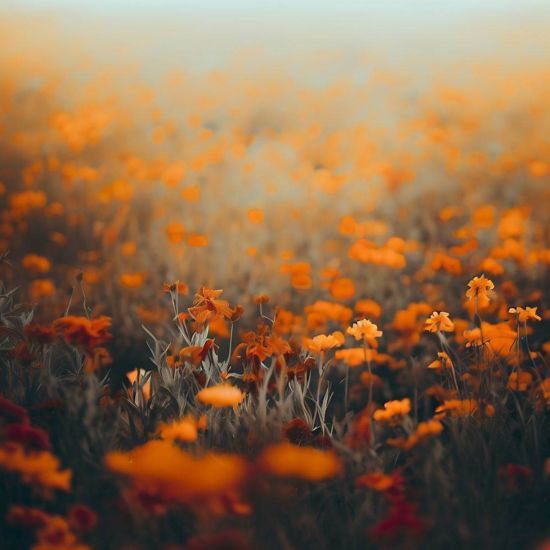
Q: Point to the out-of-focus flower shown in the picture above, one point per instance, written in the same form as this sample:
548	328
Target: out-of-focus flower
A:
81	331
442	361
324	342
393	412
290	461
364	330
184	430
222	395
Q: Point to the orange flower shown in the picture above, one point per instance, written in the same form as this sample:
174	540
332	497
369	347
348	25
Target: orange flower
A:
178	286
175	232
393	412
473	337
40	468
443	360
379	481
81	331
255	215
162	471
463	407
184	430
439	322
364	330
525	314
222	395
324	342
36	263
520	381
479	288
207	305
41	288
197	240
196	354
368	307
291	461
342	289
132	280
424	430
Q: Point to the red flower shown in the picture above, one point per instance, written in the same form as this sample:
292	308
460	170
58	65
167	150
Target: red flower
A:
80	331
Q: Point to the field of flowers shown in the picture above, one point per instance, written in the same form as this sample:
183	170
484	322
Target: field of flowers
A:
250	308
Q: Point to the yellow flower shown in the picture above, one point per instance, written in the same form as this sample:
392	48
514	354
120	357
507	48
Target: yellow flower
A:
439	322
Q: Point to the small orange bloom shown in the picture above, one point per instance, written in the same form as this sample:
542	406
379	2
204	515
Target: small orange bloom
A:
207	305
364	330
291	461
439	322
222	395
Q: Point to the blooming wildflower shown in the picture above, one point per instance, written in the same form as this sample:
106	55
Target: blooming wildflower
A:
208	306
439	322
132	280
342	289
393	412
354	357
36	263
40	468
443	360
364	330
368	308
473	337
381	482
463	407
179	287
173	475
41	288
222	395
184	430
196	354
175	232
81	331
291	461
324	342
424	430
525	314
479	288
520	380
